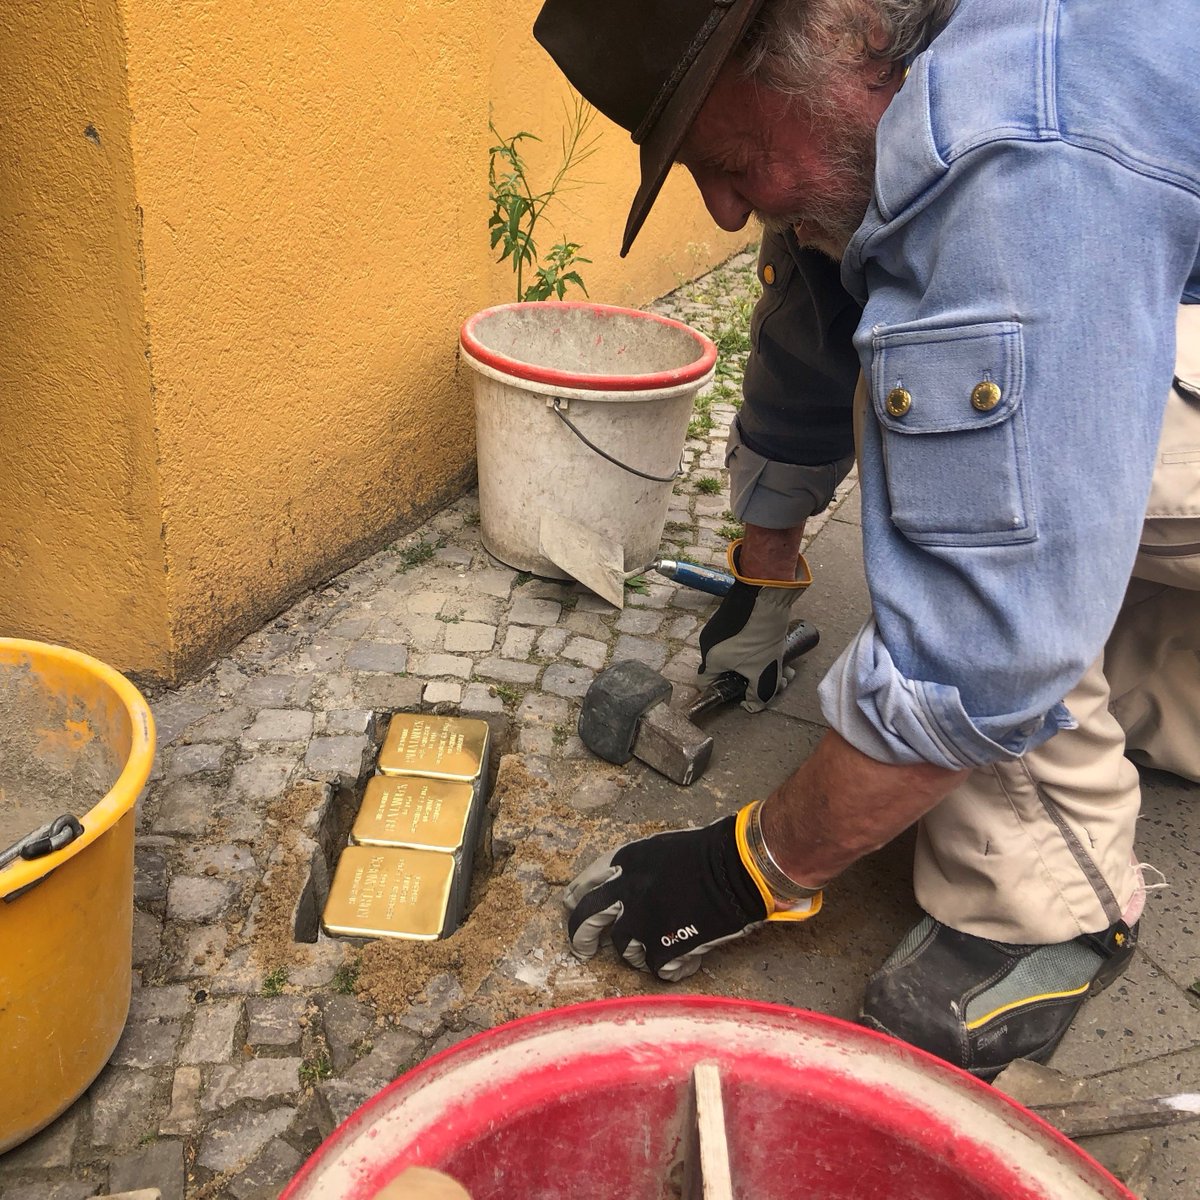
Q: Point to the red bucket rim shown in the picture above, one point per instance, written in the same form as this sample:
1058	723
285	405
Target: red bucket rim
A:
515	1028
693	372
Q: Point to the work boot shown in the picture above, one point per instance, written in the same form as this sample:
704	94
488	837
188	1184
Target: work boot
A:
981	1004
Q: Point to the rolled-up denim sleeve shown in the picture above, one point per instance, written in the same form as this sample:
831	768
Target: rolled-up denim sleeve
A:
1017	341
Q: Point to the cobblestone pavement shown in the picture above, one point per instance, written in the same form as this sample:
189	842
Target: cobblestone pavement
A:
244	1046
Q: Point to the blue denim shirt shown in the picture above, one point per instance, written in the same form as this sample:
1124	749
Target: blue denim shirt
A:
1036	223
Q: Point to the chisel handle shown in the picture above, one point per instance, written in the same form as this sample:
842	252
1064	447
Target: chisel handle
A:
693	575
730	687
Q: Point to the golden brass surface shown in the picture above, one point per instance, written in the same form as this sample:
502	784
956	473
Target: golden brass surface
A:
438	747
768	274
410	810
898	402
985	396
388	892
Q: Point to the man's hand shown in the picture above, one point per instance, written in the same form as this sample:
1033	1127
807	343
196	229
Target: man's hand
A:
746	634
669	899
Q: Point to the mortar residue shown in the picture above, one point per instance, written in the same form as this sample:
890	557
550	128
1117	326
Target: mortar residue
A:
52	760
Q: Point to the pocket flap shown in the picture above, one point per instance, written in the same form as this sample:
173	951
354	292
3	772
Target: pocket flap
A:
943	380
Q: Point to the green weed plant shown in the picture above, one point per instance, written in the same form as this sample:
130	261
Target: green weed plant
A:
517	208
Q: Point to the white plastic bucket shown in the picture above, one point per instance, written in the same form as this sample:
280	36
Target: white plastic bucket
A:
552	377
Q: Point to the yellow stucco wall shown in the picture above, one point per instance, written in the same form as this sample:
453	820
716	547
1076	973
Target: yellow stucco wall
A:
80	554
312	184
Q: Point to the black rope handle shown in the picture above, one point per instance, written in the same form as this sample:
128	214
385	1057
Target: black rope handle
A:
616	462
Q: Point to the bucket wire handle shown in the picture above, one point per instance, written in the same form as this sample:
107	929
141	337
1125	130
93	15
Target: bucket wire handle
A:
616	462
60	832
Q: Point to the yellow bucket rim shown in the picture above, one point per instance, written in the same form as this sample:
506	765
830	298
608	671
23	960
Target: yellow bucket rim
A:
123	794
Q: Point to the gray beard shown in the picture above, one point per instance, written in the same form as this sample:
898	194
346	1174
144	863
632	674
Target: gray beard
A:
827	222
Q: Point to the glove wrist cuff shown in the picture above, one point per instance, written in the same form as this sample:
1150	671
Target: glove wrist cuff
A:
802	580
786	900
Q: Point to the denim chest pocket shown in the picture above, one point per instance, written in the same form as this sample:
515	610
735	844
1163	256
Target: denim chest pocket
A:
955	446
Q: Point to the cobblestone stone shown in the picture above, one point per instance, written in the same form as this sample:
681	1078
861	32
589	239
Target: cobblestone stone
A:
214	1027
466	637
125	1105
391	657
274	1020
682	667
159	1003
442	692
195	759
147	1044
349	720
528	610
591	792
150	875
639	620
681	627
234	1140
387	693
563	679
280	725
263	1079
485	609
266	1176
586	651
493	583
261	777
347	1024
540	709
656	595
477	700
157	1165
652	653
518	642
536	739
506	671
223	726
343	755
198	899
184	1113
551	641
185	806
442	664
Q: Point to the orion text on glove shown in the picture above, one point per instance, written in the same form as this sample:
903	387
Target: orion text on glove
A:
680	935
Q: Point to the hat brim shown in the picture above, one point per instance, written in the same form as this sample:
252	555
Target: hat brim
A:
661	145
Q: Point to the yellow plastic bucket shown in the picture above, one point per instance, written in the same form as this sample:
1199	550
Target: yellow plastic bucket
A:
66	918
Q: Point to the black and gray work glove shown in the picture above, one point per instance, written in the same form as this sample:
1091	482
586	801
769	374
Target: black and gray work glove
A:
747	633
669	899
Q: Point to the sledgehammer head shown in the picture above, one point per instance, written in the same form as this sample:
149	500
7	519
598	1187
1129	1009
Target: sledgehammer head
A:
626	714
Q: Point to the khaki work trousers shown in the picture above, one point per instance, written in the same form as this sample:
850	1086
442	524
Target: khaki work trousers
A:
1040	849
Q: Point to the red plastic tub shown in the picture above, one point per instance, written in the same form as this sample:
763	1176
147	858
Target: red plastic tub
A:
590	1103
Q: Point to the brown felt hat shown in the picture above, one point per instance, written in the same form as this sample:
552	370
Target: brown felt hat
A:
646	64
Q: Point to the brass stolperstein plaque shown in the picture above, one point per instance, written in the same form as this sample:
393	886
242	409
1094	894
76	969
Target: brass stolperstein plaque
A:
408	810
386	892
439	747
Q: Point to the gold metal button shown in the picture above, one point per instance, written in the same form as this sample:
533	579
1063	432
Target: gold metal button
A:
898	402
768	274
985	396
